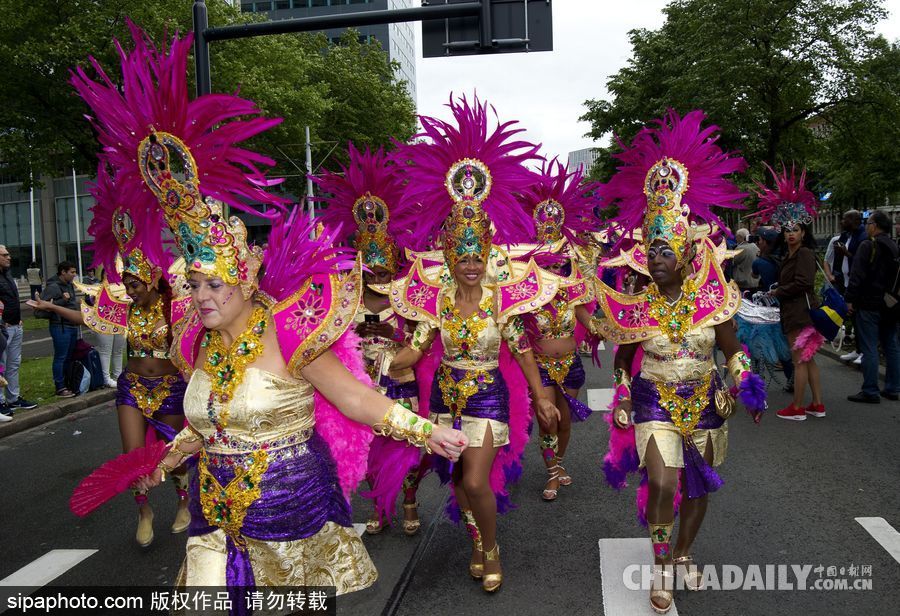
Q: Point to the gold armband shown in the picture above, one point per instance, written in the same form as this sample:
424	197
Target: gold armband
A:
402	424
738	364
594	328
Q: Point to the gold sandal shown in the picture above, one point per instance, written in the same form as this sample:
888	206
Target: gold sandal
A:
662	593
549	494
411	527
374	526
564	479
689	573
492	581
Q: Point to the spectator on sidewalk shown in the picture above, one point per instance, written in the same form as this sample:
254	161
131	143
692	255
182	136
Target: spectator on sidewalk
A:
61	291
743	262
765	266
3	416
853	233
872	273
110	347
35	279
11	400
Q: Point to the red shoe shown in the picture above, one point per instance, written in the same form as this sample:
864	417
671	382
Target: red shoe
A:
816	410
792	412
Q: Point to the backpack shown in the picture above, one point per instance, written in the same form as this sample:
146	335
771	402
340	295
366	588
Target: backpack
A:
96	369
77	377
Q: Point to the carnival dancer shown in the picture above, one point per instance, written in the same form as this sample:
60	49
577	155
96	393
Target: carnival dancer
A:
150	391
364	201
790	207
265	353
670	178
563	209
470	171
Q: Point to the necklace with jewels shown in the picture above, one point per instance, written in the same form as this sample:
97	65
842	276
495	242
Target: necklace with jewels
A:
674	318
226	368
142	321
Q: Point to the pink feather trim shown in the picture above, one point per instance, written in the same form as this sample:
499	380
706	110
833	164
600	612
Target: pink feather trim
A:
347	440
808	342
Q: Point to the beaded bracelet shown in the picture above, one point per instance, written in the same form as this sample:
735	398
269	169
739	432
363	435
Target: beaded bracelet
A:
401	424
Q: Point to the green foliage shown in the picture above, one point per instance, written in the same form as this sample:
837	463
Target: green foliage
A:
768	72
343	92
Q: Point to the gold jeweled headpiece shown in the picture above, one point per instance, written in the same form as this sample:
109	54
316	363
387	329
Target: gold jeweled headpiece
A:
209	243
133	261
467	230
549	218
667	217
372	239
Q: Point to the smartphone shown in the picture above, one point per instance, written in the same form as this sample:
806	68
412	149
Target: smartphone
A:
372	318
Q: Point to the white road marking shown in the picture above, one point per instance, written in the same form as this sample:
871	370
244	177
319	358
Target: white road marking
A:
599	399
38	341
46	568
883	533
615	556
360	529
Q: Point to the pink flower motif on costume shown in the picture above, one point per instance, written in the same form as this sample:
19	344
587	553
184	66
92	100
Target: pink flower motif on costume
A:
637	316
114	313
709	297
421	296
522	290
307	314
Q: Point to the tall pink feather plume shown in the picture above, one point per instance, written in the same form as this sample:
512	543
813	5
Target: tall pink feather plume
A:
347	440
577	197
789	190
808	342
433	151
684	140
291	255
368	171
154	93
507	467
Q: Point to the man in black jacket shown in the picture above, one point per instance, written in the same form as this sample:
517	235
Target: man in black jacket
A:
61	291
873	273
10	400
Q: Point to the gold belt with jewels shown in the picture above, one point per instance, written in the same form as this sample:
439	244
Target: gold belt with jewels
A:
557	367
456	394
226	507
150	399
685	412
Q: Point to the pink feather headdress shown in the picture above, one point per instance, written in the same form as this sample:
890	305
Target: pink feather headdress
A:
671	178
365	202
178	157
790	203
561	204
464	176
123	245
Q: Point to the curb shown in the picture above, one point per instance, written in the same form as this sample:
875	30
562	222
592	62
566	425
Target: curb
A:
29	419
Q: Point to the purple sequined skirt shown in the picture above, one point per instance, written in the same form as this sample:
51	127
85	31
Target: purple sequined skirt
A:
396	390
168	391
491	401
698	477
574	379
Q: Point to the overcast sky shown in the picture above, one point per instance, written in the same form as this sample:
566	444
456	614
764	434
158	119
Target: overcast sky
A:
546	90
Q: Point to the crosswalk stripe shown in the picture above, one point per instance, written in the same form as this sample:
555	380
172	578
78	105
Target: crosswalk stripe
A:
47	568
599	399
615	556
884	534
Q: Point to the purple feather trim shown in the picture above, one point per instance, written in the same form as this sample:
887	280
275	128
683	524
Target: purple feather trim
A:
752	392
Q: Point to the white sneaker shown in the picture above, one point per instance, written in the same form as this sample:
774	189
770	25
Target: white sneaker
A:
111	383
858	361
851	356
5	418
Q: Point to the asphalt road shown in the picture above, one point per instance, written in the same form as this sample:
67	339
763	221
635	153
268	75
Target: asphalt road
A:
792	493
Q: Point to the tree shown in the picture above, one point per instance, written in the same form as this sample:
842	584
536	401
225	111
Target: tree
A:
344	91
763	70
